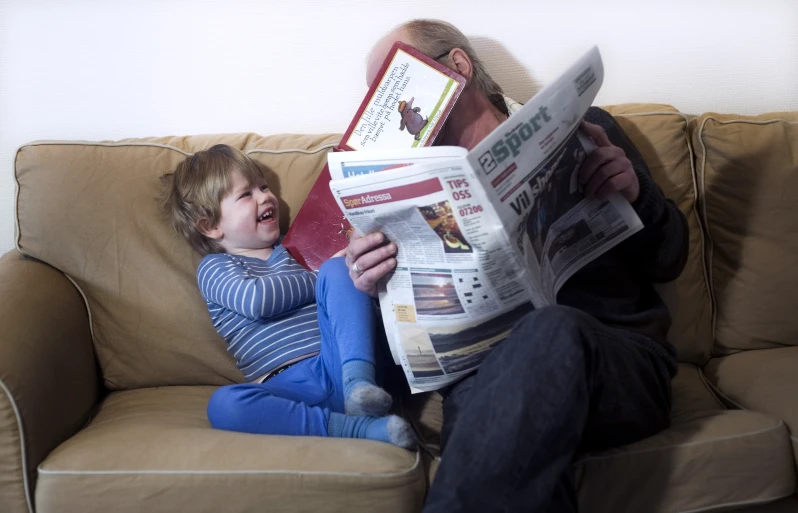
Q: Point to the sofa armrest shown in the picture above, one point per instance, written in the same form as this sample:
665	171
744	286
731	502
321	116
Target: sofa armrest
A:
49	381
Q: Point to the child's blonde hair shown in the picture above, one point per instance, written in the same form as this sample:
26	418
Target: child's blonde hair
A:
193	193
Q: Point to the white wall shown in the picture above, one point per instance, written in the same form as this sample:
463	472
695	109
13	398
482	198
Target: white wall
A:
111	69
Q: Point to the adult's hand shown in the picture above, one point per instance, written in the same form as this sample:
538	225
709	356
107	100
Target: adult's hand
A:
374	260
606	169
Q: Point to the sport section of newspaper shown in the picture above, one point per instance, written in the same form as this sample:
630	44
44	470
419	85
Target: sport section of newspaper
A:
529	168
486	237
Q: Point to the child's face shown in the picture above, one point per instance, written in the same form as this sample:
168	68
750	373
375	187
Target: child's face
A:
249	218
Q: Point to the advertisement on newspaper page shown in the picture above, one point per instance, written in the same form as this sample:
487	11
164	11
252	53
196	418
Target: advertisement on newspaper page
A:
484	236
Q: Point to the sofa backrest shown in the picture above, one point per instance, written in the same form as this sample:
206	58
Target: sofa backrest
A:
660	134
747	175
90	210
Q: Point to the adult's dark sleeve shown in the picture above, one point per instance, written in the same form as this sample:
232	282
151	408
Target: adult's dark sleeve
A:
658	251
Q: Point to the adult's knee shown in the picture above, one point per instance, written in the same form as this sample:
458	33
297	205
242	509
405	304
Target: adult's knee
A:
552	334
542	322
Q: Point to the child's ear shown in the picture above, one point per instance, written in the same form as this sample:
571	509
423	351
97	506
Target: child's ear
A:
212	232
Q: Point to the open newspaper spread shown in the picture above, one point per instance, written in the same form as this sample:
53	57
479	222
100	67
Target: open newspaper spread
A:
484	236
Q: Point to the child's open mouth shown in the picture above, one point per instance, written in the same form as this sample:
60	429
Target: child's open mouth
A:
268	215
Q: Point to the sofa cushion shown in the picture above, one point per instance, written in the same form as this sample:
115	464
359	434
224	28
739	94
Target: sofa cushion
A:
153	450
660	134
708	458
90	210
747	169
764	380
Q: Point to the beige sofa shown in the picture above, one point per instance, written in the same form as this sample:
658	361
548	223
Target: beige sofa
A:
108	356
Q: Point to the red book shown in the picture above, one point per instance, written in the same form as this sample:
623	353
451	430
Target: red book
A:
405	107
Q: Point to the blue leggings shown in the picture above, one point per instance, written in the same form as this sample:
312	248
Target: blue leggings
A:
298	401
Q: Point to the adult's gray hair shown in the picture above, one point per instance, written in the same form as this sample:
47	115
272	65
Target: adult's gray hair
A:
434	37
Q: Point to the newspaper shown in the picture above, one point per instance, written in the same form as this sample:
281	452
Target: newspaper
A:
484	236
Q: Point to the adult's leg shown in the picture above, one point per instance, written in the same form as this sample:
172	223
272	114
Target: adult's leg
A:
347	321
561	382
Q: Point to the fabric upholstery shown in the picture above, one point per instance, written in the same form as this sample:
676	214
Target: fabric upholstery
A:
48	377
90	210
660	134
747	170
765	381
153	450
708	457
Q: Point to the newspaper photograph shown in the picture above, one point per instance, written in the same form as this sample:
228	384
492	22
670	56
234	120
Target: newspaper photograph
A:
483	236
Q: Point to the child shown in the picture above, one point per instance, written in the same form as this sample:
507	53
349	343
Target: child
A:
305	341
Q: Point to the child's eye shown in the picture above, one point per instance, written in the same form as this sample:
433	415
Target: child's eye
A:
264	187
244	195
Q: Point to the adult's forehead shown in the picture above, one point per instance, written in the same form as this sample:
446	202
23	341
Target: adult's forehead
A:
380	50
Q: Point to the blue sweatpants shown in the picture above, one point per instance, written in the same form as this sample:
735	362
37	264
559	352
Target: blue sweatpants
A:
298	401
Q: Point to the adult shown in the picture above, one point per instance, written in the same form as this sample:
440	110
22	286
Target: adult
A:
592	372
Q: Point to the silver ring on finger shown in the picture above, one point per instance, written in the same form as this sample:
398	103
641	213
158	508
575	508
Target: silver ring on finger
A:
356	269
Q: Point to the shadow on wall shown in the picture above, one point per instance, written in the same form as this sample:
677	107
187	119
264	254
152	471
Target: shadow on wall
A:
505	69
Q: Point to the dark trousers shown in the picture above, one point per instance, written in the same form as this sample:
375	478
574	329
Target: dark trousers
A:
563	383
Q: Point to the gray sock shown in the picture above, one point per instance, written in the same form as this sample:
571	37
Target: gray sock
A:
400	432
391	429
367	399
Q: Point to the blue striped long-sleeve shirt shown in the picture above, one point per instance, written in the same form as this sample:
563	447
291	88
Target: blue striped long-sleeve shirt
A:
264	309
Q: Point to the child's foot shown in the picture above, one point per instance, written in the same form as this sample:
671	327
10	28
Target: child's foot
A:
391	429
367	399
361	395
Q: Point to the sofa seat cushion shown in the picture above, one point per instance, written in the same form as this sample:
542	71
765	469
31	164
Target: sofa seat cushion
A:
764	381
709	457
153	450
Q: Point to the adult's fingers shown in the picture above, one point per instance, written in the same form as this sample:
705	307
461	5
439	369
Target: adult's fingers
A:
596	159
367	282
602	174
374	257
360	245
616	183
596	133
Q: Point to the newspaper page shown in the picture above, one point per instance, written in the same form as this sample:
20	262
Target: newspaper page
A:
528	168
356	163
345	164
485	238
458	285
